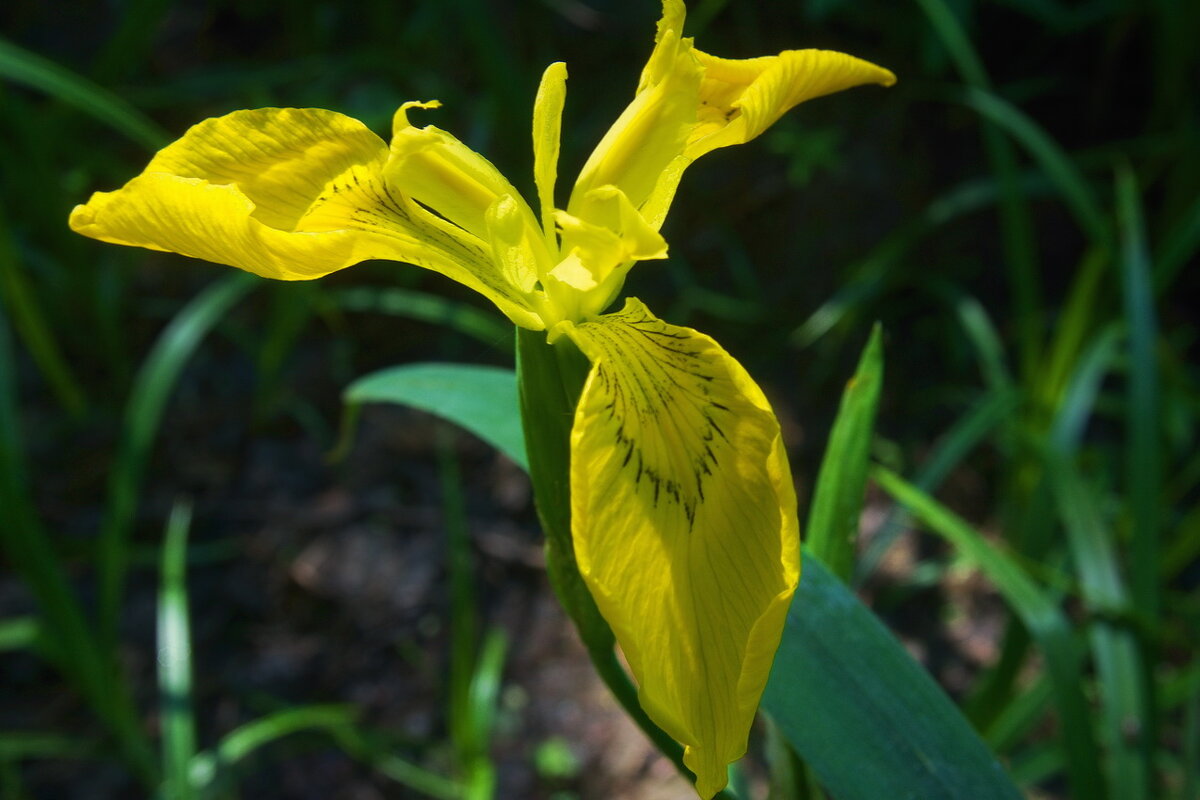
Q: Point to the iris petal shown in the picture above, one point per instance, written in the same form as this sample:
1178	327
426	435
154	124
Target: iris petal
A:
742	98
291	194
547	133
683	518
689	103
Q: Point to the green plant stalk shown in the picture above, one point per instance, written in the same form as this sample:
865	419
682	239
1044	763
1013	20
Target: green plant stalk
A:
550	381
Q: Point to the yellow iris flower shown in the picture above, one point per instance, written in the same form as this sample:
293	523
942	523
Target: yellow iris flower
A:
683	511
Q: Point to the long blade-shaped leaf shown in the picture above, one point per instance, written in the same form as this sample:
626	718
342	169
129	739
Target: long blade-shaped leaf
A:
1037	611
865	716
1124	714
838	498
1143	407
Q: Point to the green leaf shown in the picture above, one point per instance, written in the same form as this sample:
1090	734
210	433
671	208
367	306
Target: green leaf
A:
1037	611
481	399
838	498
866	717
1124	717
1143	480
44	75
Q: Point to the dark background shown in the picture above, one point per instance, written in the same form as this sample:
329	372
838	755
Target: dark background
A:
322	580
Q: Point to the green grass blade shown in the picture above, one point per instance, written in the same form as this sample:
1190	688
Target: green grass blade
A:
960	440
1183	549
1191	746
30	322
19	633
482	696
175	659
467	320
481	399
989	349
1074	327
1041	616
291	308
26	68
19	745
1019	717
869	277
245	739
362	747
1124	713
1037	765
1079	197
1143	467
208	769
486	682
956	42
1178	249
867	718
791	779
69	641
1079	400
1020	251
469	739
128	46
838	498
151	390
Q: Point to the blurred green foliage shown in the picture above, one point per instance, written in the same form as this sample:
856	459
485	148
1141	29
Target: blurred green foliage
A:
1021	213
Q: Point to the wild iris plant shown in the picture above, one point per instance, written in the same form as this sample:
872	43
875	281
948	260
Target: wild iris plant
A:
682	516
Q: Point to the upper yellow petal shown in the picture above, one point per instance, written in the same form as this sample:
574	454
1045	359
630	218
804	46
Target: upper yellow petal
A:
684	524
689	103
742	98
441	172
652	130
547	135
290	194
